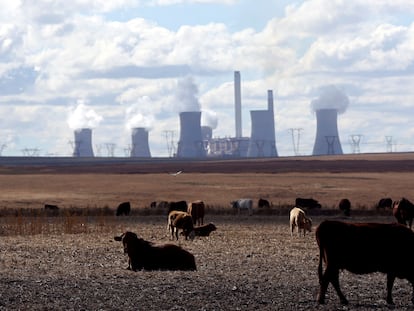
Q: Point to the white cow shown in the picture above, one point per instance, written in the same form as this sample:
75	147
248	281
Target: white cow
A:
298	219
243	204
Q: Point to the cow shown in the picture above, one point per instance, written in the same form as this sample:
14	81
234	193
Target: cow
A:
51	207
144	255
181	220
307	203
384	203
243	204
160	204
403	211
123	209
263	203
345	207
204	230
196	209
298	219
177	206
363	248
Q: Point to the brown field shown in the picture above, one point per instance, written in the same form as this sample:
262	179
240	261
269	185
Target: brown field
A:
251	263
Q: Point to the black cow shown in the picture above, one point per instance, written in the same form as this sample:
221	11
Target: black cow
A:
51	207
205	230
364	248
307	203
263	203
178	206
144	255
123	209
384	203
403	211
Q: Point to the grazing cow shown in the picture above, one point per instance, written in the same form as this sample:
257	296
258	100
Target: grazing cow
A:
178	206
123	209
403	211
205	230
263	203
307	203
180	220
345	207
196	210
51	207
243	204
384	203
144	255
364	248
298	219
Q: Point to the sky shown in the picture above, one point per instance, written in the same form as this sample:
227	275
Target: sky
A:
115	65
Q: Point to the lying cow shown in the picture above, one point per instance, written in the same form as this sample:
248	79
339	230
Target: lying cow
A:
205	230
364	248
144	255
180	220
298	219
243	204
197	209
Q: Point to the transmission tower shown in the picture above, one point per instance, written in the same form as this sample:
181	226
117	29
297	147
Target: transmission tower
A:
330	140
388	140
2	147
355	140
110	148
169	137
295	132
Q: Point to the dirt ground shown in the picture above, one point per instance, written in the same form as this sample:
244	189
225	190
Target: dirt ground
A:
249	263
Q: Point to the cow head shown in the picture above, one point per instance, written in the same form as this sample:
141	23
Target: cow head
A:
308	224
126	238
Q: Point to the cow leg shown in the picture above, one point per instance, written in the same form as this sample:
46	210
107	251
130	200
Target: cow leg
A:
332	275
390	284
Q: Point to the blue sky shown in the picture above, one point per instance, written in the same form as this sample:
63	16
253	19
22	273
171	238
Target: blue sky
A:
126	63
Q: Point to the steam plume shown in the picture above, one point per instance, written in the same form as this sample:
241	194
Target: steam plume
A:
209	118
186	95
331	98
83	117
138	114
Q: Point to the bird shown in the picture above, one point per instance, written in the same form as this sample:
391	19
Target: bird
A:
176	173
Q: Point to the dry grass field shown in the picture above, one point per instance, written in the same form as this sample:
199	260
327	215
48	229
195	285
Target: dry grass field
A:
70	261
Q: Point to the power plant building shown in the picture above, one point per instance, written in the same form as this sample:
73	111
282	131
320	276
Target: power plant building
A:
191	143
140	147
83	143
327	137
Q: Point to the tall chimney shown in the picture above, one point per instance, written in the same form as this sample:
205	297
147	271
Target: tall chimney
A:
140	146
191	143
327	137
237	102
270	100
83	143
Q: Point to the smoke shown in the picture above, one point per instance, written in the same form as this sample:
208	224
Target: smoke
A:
331	98
83	117
186	95
209	118
138	114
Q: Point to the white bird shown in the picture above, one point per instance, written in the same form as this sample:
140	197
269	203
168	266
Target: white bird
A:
176	173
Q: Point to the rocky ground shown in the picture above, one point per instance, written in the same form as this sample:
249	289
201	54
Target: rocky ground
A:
249	263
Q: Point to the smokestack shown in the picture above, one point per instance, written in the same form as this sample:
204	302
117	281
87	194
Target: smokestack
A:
327	137
237	102
140	146
270	100
83	143
191	143
262	140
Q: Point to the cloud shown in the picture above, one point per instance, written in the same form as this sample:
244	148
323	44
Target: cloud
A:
209	118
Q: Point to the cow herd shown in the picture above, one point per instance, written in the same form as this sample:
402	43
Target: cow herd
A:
360	248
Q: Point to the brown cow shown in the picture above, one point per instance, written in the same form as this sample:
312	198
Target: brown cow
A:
196	210
205	230
403	211
364	248
180	220
144	255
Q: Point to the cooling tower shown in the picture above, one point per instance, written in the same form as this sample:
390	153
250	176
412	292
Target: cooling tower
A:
206	132
262	140
140	146
327	138
83	143
190	144
237	103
